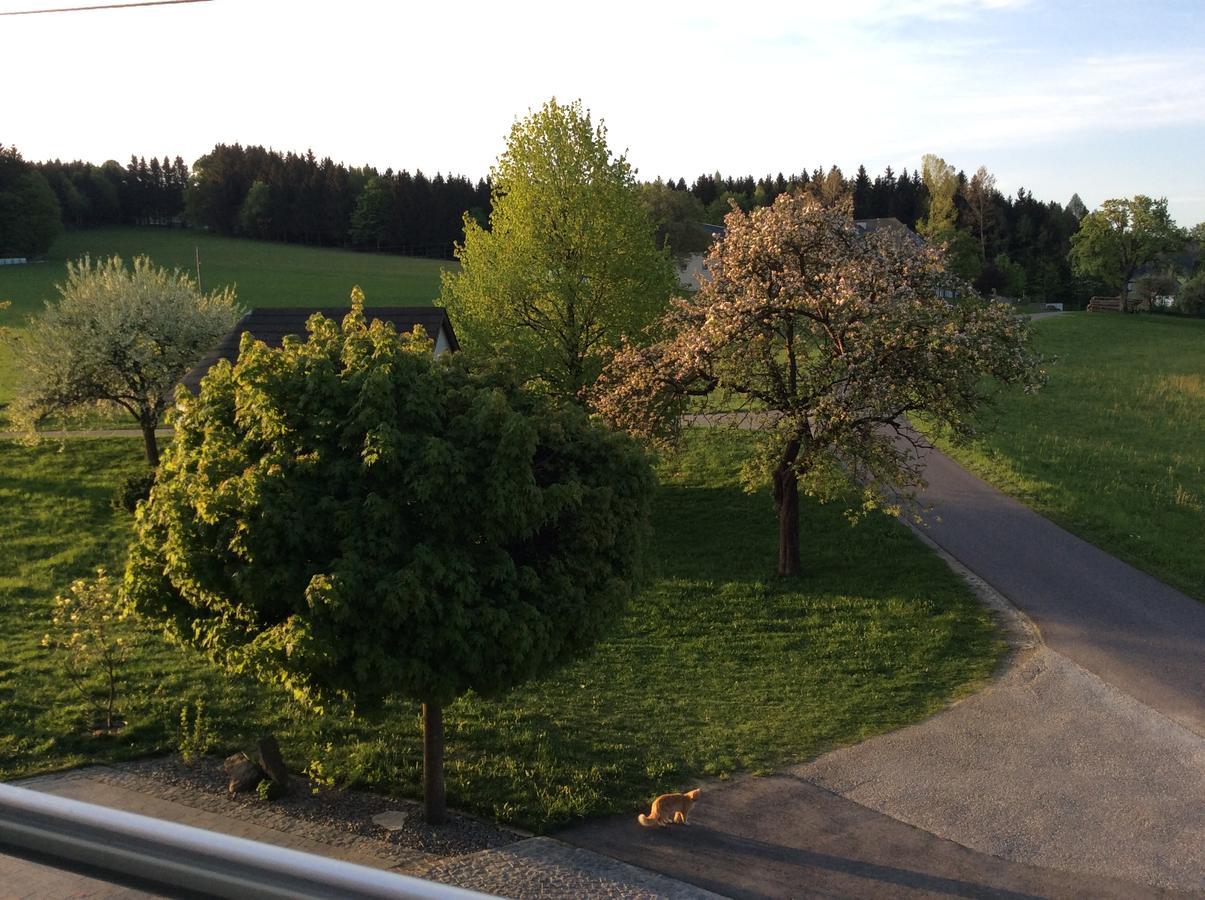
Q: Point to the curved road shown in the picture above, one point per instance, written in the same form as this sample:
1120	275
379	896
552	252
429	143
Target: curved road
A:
1132	631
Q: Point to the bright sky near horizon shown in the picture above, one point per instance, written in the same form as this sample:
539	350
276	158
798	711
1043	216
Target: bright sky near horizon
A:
1104	98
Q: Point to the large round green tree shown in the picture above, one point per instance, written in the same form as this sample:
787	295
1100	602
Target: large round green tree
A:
1119	238
568	264
355	519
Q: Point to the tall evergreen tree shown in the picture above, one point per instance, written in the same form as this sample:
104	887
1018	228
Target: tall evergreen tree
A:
862	189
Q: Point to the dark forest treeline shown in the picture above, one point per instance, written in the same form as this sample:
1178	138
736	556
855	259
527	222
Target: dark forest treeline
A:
245	191
1020	248
291	197
37	200
138	193
1017	245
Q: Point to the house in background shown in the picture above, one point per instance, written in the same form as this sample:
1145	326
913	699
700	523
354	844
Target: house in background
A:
272	326
898	231
692	270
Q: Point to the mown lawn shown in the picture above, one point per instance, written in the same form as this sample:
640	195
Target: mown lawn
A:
719	667
1113	448
265	274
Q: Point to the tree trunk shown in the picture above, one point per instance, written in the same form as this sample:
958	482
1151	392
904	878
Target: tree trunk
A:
434	800
786	502
152	445
1124	294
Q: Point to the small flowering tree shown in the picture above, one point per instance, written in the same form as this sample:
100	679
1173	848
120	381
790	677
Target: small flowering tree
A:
88	642
825	339
118	337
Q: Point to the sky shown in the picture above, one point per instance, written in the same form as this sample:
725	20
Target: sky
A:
1104	99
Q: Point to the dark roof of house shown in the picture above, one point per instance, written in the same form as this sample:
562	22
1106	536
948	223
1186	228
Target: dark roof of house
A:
272	326
865	226
889	224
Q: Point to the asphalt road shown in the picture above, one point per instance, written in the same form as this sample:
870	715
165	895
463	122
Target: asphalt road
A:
782	836
1049	766
1134	632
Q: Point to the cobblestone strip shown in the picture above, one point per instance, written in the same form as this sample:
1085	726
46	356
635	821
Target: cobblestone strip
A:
543	867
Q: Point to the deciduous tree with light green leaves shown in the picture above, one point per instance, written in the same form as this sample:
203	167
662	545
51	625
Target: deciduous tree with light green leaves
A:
356	520
568	263
1120	237
940	224
941	219
117	337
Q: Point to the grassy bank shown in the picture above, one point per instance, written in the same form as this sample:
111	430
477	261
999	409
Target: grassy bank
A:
719	667
1113	448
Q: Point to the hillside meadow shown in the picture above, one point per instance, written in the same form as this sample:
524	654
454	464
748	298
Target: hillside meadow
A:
1113	448
264	274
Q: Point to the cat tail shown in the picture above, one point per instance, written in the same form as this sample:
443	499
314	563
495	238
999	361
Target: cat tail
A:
647	822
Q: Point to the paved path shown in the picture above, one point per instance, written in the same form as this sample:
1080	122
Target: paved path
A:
1049	767
1131	630
782	836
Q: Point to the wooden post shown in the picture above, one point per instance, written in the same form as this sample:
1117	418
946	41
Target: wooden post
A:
434	800
197	252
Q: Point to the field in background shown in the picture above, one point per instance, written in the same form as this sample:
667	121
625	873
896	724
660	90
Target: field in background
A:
265	274
1113	448
720	667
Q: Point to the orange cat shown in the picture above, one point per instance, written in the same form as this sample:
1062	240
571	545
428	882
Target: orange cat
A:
669	809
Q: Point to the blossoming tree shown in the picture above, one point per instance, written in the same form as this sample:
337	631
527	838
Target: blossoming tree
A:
825	339
118	337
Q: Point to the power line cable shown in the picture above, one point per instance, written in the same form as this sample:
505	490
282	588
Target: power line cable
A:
69	9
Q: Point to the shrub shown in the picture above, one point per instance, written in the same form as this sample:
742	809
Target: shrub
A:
269	790
133	490
91	651
1191	299
196	736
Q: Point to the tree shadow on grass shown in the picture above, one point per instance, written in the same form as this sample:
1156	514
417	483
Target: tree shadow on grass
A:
724	534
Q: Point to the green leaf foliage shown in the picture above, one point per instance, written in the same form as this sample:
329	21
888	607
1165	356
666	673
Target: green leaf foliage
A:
30	216
355	519
1114	241
569	264
1191	297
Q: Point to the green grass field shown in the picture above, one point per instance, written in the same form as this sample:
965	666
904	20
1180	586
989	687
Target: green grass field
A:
719	668
1113	448
264	274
